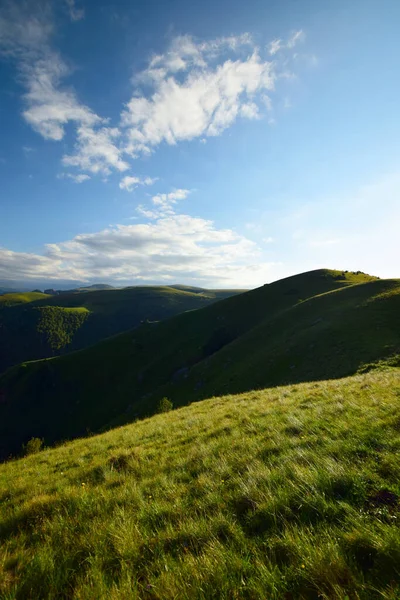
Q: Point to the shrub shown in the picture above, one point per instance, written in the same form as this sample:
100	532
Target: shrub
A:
165	405
34	445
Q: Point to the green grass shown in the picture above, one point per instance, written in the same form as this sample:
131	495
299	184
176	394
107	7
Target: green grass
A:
108	312
291	492
316	325
14	299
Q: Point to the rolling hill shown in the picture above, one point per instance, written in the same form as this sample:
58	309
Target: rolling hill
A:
286	493
17	298
34	325
317	325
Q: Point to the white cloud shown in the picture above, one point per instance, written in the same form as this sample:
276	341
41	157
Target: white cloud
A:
97	151
295	38
75	14
278	44
75	178
198	90
49	108
275	46
250	110
184	53
166	202
174	248
129	182
25	36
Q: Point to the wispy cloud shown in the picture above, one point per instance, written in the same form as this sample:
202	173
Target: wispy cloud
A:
50	108
75	178
96	151
165	203
25	36
274	46
75	14
278	44
129	182
295	38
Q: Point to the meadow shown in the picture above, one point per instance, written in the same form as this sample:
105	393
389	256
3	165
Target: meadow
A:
291	492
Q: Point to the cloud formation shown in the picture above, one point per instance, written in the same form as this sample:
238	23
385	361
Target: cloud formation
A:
175	248
129	182
80	178
278	44
25	36
96	151
195	89
75	14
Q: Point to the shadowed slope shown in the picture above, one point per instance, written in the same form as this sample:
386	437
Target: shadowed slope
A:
26	329
241	343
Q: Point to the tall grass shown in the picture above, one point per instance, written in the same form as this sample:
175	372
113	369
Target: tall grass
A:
284	493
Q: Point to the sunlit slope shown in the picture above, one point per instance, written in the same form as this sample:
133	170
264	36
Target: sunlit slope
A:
291	492
124	377
27	331
13	299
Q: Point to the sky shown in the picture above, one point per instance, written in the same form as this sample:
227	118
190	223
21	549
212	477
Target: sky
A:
216	143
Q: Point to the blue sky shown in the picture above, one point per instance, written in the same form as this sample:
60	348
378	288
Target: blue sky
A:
211	143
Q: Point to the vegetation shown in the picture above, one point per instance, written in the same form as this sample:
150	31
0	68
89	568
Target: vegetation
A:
33	446
313	326
58	325
13	299
165	405
291	492
35	325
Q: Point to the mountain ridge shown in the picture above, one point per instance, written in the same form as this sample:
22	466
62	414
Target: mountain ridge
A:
223	348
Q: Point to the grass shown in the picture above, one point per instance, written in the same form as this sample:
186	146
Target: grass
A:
291	492
316	325
13	299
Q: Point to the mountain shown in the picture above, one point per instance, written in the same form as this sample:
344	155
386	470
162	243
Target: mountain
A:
89	288
291	492
313	326
35	325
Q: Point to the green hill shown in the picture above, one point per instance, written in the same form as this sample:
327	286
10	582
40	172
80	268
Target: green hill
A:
13	299
291	492
308	327
34	325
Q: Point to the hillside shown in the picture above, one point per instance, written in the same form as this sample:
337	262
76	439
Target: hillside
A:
291	492
34	326
14	299
269	336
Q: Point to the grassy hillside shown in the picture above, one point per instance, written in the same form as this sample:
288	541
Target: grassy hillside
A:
28	321
268	336
291	492
14	299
